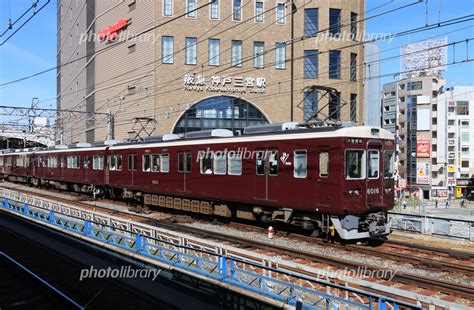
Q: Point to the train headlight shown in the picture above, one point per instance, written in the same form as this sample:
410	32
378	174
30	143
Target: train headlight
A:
354	192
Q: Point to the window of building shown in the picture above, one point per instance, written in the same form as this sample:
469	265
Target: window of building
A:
311	64
462	107
258	54
334	22
374	164
465	164
167	7
300	166
465	151
132	162
310	106
259	11
132	48
334	106
220	163
147	163
214	52
191	8
280	55
465	137
323	164
131	90
310	22
355	164
280	14
190	51
334	64
418	85
235	163
167	49
354	26
132	6
165	163
206	164
354	107
237	10
214	9
353	67
236	52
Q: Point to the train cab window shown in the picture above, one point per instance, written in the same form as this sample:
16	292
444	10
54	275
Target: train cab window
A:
85	162
147	163
155	163
235	163
273	163
374	164
206	164
165	163
355	164
260	169
300	166
132	162
388	165
98	162
324	164
220	163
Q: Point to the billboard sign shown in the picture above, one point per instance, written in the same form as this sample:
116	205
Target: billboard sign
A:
423	146
424	58
423	173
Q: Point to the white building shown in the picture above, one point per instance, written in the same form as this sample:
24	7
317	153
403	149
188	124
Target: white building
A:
372	115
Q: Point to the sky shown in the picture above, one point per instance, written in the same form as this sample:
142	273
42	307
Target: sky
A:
33	48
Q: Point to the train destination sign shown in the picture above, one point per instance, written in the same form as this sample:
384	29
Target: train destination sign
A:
225	84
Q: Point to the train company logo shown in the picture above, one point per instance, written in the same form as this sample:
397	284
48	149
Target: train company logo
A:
284	157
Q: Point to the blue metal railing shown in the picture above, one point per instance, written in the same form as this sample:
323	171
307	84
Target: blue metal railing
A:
208	264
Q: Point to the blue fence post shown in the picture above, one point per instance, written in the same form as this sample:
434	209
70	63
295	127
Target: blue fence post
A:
395	306
51	217
5	202
382	305
232	267
87	227
223	266
25	209
139	242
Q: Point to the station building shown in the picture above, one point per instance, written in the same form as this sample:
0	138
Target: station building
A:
173	66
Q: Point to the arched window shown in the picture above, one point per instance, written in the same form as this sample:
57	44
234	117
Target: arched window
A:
220	112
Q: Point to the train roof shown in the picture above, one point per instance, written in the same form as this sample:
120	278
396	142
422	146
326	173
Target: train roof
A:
285	131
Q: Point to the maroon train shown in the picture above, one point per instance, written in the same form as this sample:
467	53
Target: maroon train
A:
311	177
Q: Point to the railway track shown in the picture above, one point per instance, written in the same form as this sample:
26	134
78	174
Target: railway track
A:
447	290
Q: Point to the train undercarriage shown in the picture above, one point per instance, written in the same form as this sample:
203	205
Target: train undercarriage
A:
348	227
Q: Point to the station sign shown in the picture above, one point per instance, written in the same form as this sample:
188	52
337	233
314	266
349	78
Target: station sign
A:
225	84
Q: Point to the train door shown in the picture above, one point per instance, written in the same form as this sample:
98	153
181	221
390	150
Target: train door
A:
266	168
184	168
374	171
323	195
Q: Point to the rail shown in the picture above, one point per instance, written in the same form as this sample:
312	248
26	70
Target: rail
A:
268	278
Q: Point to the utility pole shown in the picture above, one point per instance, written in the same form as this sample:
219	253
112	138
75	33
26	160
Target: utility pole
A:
292	62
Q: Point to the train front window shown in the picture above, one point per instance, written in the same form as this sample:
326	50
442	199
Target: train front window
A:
388	165
355	164
374	164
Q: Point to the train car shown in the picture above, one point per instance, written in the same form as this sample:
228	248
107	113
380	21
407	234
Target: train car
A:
314	178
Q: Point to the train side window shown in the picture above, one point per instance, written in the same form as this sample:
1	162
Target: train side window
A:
61	161
206	164
132	162
273	163
165	163
388	165
189	161
260	163
324	164
118	162
98	162
300	166
85	162
355	164
374	164
181	162
112	163
1	161
235	163
155	163
147	163
220	163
